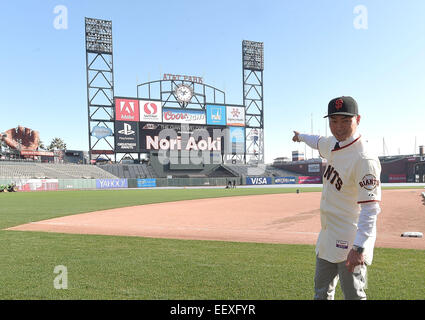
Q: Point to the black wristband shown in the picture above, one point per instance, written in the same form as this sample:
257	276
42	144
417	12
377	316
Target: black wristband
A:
358	249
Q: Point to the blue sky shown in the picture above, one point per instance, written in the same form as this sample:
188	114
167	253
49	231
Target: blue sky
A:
313	53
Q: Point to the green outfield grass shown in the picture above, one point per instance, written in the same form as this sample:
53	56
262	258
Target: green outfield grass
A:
114	267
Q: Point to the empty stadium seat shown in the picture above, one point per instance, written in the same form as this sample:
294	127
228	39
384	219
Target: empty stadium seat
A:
35	170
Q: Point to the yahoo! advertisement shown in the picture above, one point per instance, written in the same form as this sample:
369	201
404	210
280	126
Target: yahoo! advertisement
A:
111	183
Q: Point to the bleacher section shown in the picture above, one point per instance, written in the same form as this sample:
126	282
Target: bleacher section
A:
129	170
36	170
277	172
260	170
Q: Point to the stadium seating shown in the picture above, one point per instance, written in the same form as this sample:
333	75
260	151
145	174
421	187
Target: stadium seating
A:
35	170
129	170
277	172
259	170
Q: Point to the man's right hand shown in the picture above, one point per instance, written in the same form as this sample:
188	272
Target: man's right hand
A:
296	137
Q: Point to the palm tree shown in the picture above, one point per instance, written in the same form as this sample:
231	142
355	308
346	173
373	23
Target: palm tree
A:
3	145
41	145
56	144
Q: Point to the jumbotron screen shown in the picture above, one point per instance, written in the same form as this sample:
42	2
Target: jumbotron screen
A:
142	126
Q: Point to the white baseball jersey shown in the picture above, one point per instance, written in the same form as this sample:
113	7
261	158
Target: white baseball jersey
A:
351	177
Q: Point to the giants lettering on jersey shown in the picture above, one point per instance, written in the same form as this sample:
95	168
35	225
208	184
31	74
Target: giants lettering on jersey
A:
332	175
369	182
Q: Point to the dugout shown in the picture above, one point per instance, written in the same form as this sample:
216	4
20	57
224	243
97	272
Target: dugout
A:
181	167
420	172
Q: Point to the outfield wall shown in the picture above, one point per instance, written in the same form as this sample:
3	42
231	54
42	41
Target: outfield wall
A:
72	184
99	184
81	184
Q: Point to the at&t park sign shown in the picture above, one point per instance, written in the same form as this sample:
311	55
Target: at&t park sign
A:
179	77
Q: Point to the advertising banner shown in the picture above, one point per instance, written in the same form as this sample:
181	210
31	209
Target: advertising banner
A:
309	179
102	152
111	183
150	111
183	116
101	132
126	109
285	180
235	116
38	185
254	135
314	167
37	153
258	180
146	183
126	134
397	178
180	138
236	140
216	115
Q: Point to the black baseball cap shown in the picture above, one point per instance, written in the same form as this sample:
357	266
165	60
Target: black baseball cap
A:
342	105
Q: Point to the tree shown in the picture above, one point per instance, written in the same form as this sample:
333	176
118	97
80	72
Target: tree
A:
3	144
41	145
56	144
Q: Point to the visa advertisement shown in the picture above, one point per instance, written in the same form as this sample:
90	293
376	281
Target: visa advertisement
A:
258	180
216	115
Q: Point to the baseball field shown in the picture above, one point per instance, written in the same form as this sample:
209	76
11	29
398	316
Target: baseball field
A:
91	257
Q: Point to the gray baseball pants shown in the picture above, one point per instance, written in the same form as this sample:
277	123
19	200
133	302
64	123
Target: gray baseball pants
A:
326	279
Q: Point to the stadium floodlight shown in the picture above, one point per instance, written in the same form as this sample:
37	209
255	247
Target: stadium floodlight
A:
98	36
253	55
100	85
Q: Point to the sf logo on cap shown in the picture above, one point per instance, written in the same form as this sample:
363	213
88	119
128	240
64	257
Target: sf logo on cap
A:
338	104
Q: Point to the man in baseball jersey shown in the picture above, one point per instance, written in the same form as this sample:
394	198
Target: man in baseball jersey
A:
349	205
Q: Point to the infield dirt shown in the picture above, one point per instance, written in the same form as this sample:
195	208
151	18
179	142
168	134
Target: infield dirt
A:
276	218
